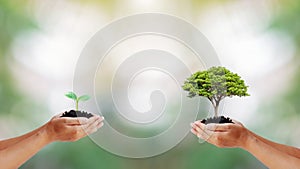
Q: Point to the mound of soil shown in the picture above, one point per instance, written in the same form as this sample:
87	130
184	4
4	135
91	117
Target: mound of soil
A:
73	113
219	119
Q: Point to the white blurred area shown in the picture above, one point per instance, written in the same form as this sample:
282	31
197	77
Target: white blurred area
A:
46	58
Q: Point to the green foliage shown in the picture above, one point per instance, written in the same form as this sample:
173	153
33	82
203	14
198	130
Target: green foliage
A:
287	19
74	97
215	84
14	20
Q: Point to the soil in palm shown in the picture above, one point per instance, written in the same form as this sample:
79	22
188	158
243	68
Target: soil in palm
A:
219	119
76	113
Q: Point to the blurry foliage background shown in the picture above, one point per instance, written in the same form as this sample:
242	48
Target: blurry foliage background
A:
13	20
18	108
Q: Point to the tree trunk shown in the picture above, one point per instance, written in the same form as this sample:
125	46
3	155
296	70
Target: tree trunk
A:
216	110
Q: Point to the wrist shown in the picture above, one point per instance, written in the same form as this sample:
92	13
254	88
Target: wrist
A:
46	129
42	136
249	138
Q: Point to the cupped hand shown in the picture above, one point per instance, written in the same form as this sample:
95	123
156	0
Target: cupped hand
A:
72	129
221	135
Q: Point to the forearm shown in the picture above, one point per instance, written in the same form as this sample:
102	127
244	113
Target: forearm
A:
8	142
15	155
270	156
284	148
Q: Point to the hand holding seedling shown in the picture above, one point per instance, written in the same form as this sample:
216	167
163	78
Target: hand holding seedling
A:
72	129
74	124
16	151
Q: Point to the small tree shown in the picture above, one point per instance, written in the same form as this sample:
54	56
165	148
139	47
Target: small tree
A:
215	84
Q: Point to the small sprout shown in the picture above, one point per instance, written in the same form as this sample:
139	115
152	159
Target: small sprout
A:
74	97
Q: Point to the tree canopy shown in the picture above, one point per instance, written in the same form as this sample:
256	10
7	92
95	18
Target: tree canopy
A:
216	83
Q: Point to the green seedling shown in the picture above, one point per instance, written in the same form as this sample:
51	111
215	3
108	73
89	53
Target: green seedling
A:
74	97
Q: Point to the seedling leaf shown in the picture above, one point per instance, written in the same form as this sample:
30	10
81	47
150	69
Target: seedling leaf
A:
84	98
71	95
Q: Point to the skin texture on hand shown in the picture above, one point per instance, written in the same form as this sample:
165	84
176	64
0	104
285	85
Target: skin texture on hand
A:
15	151
72	129
273	155
221	135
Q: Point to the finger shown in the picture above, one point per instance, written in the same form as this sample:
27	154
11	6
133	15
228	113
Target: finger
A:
58	115
81	120
200	125
100	125
101	118
196	128
211	127
92	120
97	121
97	115
236	122
218	127
203	135
77	132
197	133
76	121
94	129
194	132
94	124
208	136
80	131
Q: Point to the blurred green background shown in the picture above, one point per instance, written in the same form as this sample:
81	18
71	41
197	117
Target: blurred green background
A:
40	42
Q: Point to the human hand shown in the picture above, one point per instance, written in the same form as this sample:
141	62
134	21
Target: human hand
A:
72	129
222	135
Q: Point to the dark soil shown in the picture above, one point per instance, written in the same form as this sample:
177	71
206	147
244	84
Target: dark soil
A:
219	119
73	113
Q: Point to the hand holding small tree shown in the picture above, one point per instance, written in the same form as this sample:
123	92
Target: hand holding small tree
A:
215	84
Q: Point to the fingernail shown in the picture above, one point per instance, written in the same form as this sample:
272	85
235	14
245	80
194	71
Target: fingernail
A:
192	124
